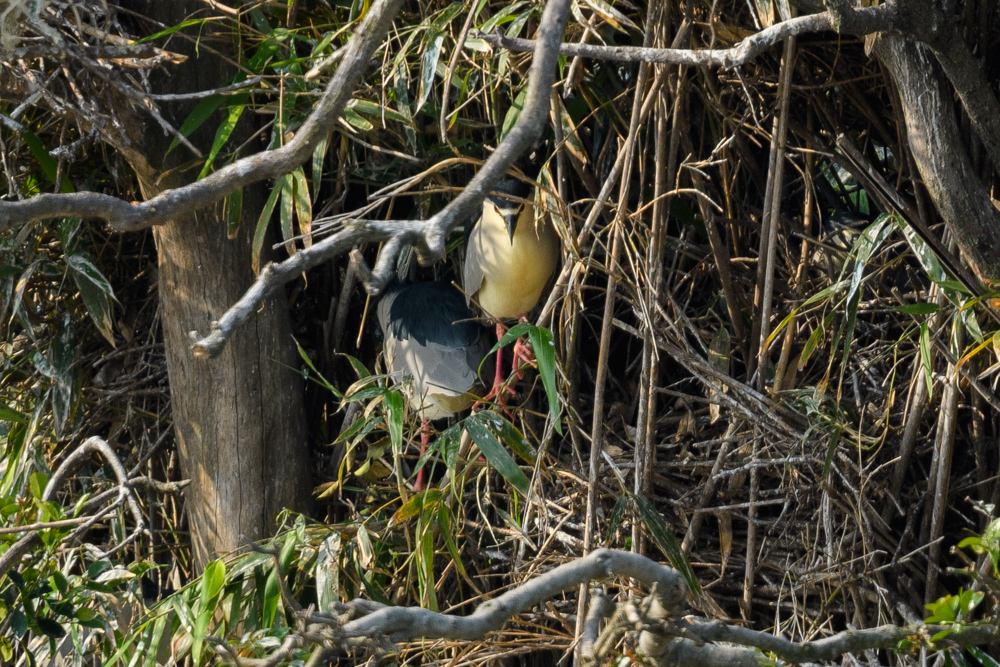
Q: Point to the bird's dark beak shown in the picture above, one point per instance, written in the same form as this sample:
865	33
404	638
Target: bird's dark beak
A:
510	218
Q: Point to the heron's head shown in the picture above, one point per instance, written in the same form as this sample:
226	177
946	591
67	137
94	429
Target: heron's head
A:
504	203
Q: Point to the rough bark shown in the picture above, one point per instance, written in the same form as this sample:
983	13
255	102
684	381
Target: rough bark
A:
939	153
239	418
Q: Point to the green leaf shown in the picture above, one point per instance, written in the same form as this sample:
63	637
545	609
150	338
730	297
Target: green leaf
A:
225	130
36	484
395	409
545	354
9	414
503	16
287	187
50	628
317	162
495	453
212	581
925	255
288	551
372	109
201	112
667	542
155	637
328	573
49	164
416	504
357	120
18	623
514	112
980	655
85	614
96	292
234	213
925	357
303	204
271	597
831	449
171	30
919	308
428	67
509	435
262	222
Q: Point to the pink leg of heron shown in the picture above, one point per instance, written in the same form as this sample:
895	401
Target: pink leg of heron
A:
425	438
500	389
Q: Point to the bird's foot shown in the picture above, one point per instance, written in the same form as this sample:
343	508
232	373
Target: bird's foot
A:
498	394
523	352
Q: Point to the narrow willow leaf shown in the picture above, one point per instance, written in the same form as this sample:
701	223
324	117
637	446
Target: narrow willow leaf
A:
925	357
262	222
201	112
317	161
395	408
234	213
286	207
509	435
358	121
545	354
614	17
96	292
328	574
225	130
428	67
514	112
303	205
495	453
666	541
831	450
416	504
501	17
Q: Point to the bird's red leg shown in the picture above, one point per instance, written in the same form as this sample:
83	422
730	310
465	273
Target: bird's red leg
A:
500	389
522	352
425	438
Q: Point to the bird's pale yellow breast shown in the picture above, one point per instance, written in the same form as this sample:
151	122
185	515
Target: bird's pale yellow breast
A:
514	272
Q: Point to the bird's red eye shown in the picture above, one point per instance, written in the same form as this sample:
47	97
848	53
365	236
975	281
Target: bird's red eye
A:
496	208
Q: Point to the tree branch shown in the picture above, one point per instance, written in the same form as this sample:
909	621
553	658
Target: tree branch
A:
66	469
869	19
402	623
849	641
125	216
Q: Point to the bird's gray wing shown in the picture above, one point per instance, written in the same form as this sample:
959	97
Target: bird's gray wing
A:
472	274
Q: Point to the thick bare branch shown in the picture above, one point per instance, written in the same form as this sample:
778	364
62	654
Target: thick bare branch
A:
849	641
872	19
401	623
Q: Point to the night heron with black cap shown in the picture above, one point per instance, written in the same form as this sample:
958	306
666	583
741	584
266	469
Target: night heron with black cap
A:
509	259
434	347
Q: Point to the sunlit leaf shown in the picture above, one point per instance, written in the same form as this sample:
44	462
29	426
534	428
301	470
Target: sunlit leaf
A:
96	292
495	453
428	67
262	223
545	354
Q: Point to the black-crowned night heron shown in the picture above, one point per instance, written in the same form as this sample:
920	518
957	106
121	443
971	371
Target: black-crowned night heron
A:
509	259
434	347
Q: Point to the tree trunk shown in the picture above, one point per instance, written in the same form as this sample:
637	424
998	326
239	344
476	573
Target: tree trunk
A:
239	418
941	158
